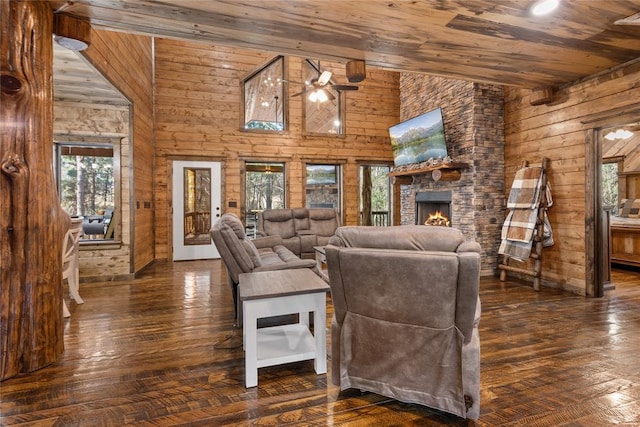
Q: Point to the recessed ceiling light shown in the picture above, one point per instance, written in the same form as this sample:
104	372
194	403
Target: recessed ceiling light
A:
544	7
70	43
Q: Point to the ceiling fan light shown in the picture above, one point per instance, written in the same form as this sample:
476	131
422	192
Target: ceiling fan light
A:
313	96
544	7
322	96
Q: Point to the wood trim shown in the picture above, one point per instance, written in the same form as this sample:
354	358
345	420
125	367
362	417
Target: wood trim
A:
593	219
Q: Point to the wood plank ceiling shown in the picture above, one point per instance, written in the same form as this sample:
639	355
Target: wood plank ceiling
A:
490	41
497	42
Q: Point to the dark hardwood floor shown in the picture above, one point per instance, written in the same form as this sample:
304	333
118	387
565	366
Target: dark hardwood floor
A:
150	352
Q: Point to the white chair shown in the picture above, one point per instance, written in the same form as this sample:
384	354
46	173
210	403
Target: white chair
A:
70	264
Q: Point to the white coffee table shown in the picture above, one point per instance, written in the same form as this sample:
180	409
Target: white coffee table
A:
277	293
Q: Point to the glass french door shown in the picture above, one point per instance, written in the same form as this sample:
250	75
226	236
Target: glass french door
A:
196	207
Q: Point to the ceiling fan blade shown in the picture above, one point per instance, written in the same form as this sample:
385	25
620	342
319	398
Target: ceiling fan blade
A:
324	78
344	87
299	93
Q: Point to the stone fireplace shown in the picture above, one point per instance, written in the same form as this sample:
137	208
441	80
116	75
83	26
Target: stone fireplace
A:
474	128
431	203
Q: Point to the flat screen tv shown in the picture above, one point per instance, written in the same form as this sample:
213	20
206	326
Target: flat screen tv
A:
419	139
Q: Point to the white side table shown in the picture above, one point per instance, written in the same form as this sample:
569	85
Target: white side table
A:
321	262
276	293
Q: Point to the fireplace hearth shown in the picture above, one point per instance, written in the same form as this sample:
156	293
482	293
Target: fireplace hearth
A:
431	203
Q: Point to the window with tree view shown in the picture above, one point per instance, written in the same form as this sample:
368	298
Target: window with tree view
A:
86	185
610	186
375	195
264	189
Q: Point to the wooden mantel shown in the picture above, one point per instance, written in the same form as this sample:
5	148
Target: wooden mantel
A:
444	172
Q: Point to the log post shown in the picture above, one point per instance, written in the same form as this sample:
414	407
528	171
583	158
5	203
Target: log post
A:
32	223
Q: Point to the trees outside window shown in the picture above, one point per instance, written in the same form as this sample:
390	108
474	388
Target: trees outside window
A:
610	186
264	188
375	195
86	180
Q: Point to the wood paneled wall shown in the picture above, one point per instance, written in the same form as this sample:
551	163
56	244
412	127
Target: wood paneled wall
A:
198	116
558	131
127	61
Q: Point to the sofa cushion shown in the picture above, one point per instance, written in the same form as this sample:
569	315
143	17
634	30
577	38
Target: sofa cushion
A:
278	222
323	222
252	251
300	219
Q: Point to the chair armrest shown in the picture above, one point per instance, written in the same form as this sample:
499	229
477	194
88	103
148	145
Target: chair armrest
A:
303	263
469	246
467	293
267	241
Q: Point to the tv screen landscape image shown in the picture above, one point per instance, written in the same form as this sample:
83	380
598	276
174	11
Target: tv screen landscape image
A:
419	139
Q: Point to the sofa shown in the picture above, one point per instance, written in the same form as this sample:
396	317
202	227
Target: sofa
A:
406	313
243	255
300	228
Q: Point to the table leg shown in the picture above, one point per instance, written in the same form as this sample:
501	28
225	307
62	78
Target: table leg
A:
320	333
250	329
303	318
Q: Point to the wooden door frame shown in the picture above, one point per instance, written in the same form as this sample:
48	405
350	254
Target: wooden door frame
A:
594	274
592	218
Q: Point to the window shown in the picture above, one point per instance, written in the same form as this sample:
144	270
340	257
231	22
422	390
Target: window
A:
375	195
323	186
321	116
264	189
87	186
610	186
263	98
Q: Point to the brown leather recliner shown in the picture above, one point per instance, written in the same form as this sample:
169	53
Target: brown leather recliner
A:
406	312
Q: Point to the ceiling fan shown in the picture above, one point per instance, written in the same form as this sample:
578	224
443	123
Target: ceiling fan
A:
316	88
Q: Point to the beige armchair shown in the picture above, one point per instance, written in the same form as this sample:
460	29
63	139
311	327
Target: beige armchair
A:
243	255
406	313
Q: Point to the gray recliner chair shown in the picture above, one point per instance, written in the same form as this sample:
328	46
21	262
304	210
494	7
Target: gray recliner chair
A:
406	313
243	255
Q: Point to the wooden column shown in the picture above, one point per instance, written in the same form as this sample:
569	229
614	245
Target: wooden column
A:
32	224
366	195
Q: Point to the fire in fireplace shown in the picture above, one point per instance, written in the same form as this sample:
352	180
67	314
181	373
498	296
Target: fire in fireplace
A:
438	219
434	204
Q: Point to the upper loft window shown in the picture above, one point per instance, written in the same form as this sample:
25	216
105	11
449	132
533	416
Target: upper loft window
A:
322	113
263	98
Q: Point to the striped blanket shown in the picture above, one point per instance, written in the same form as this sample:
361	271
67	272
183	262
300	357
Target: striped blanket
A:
524	200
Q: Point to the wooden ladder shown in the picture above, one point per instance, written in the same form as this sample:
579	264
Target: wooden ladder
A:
538	236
